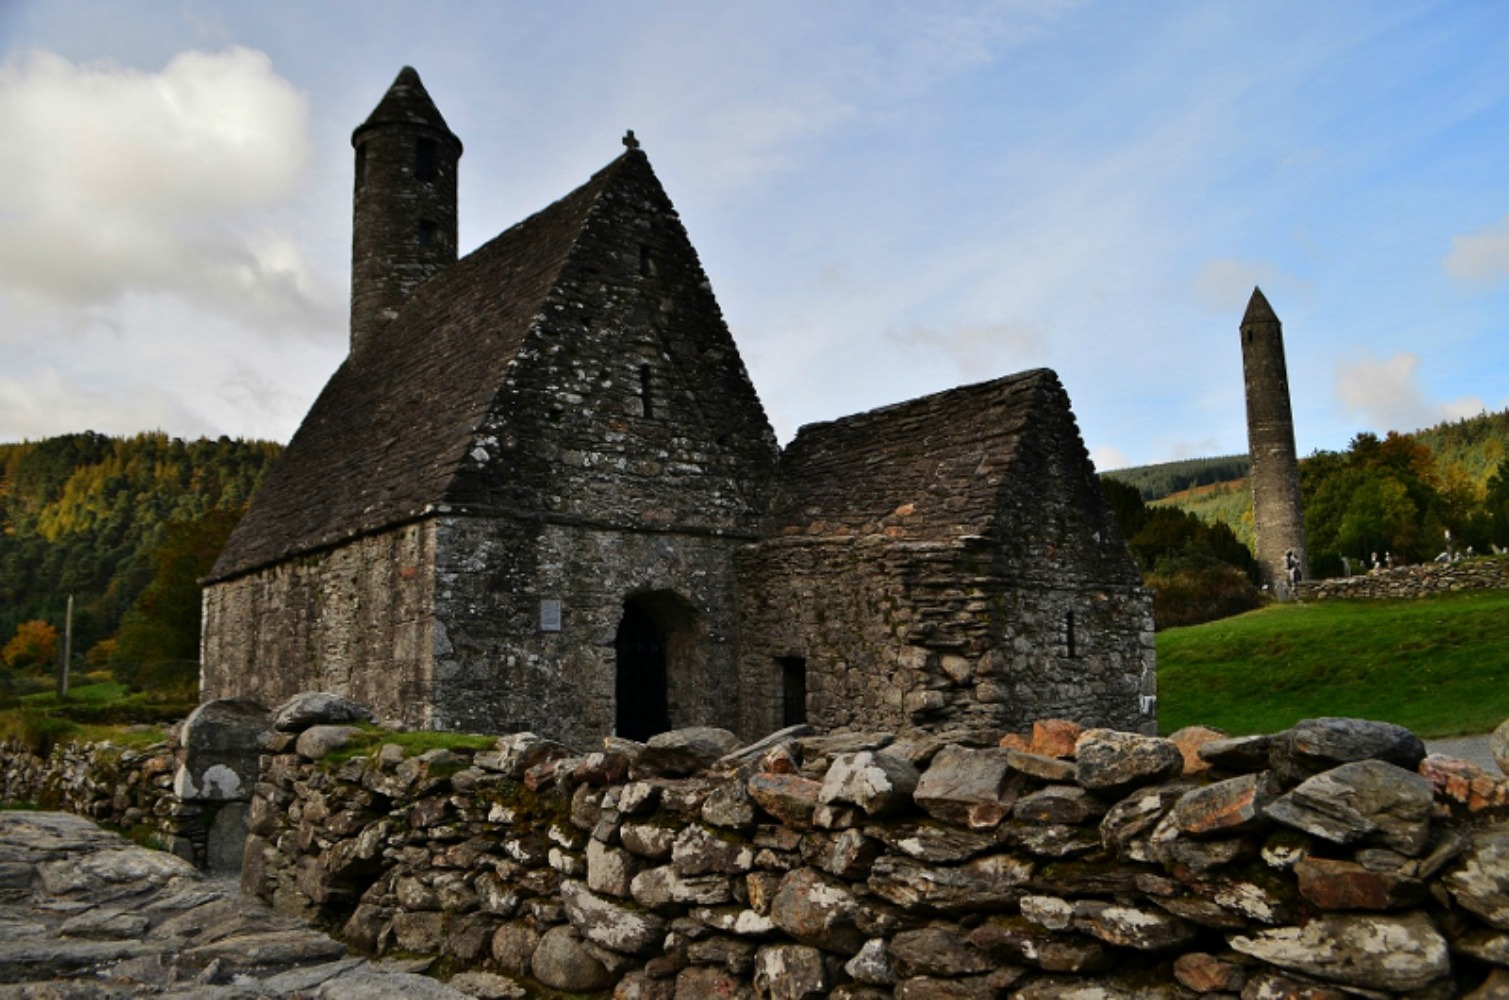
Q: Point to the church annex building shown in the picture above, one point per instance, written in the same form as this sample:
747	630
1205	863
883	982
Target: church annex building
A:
541	493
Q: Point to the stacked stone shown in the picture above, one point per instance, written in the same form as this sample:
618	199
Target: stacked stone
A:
127	789
1331	860
1424	580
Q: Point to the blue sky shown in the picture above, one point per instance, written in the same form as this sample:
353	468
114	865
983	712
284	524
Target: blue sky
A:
889	198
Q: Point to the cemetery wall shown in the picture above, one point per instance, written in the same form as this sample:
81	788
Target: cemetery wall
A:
1424	580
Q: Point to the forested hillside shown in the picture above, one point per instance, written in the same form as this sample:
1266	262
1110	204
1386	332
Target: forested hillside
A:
86	514
1155	482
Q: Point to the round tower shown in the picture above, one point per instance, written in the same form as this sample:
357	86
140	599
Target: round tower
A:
404	220
1278	517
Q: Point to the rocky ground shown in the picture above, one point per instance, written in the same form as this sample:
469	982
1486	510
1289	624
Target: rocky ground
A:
86	913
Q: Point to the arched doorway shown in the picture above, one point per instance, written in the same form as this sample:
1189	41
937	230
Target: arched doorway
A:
641	688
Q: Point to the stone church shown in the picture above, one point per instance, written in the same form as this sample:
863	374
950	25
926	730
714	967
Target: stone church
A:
541	493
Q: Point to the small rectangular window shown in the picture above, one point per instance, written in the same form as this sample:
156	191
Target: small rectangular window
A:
646	265
793	690
424	160
644	391
426	234
361	165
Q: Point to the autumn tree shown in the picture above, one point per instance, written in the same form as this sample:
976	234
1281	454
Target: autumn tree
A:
33	647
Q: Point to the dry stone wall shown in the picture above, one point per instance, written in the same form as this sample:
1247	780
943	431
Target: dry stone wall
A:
1488	573
1332	860
127	789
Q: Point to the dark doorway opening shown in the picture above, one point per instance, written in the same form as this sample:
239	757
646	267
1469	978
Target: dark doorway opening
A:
640	646
793	690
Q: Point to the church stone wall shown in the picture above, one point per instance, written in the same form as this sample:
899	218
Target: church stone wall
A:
357	619
920	636
503	664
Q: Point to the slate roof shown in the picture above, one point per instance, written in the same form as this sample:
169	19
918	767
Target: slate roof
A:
939	461
384	441
407	103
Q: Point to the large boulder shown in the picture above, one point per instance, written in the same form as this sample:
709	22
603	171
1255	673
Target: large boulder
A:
683	752
994	882
314	708
561	961
1317	745
877	782
221	750
609	924
791	972
1399	954
1226	807
316	741
968	787
1480	882
1113	763
1364	799
818	911
518	753
788	797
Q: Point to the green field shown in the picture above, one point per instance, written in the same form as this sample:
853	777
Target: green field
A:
1439	666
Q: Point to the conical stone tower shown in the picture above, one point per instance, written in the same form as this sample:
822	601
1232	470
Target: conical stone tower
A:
404	218
1278	517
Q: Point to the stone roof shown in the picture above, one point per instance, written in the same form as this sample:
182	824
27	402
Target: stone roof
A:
1258	309
384	442
406	103
930	468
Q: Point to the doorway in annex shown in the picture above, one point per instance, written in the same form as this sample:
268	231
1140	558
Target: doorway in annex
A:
656	652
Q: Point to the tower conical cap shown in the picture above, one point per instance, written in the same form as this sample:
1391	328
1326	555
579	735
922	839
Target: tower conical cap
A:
406	103
1258	309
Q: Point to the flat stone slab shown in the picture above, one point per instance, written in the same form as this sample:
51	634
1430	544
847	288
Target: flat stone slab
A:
96	908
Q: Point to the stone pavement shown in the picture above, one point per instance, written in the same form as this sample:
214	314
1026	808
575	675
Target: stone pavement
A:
86	913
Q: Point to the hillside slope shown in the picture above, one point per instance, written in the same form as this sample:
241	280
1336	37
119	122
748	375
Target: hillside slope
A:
81	514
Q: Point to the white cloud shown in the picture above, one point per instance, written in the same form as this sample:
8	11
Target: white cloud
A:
1387	395
1226	285
977	351
1107	458
120	181
31	405
1203	448
1481	257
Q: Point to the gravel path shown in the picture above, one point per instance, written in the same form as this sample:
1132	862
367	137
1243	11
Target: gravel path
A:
86	913
1470	748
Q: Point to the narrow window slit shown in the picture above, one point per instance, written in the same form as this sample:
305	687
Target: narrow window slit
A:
424	160
793	690
644	391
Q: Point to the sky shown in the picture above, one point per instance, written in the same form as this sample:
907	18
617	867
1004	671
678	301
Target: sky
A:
889	198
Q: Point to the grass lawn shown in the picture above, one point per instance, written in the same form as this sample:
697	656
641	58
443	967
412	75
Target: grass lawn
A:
91	712
1439	666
